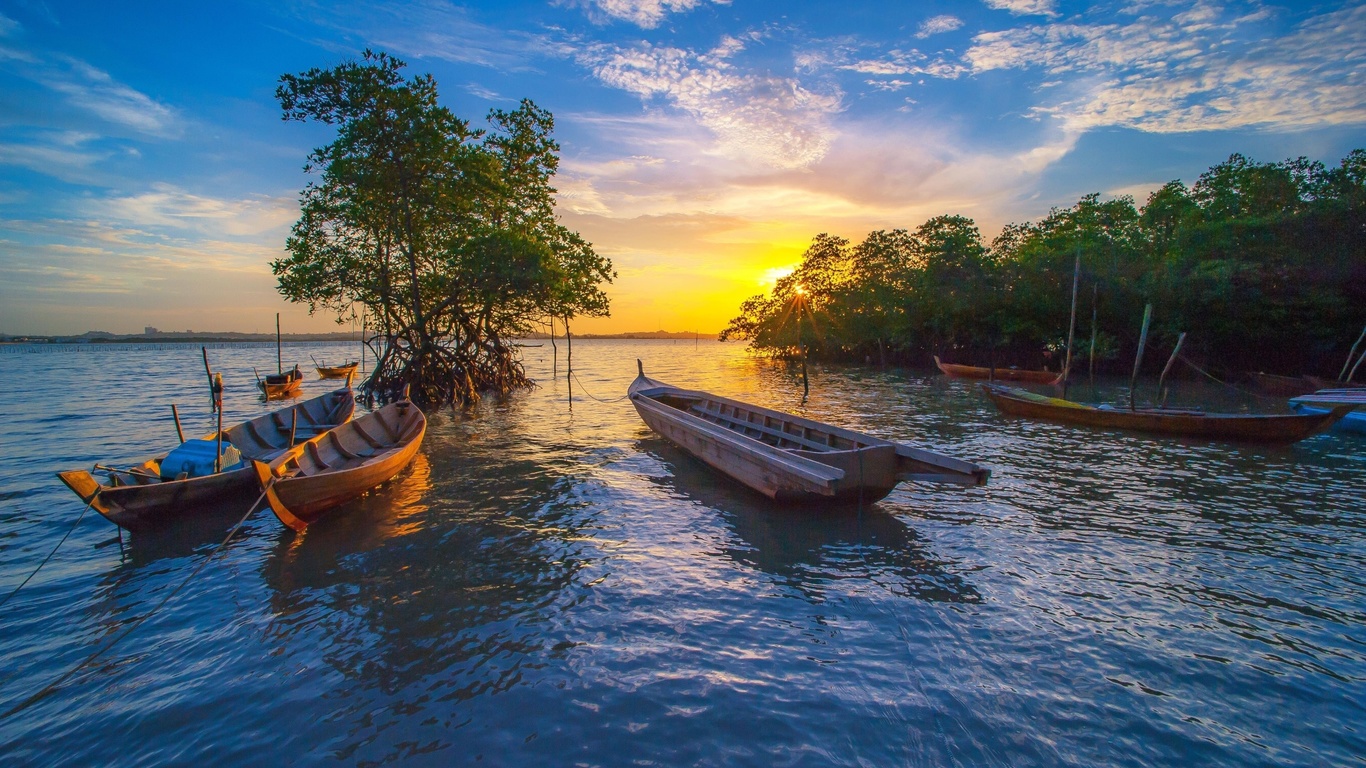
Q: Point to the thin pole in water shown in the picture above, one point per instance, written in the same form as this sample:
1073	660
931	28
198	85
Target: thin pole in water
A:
279	359
1350	355
1170	362
212	400
1138	360
180	433
218	400
1091	358
1071	326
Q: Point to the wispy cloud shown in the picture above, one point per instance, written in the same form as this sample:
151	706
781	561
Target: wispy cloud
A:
168	207
647	14
1025	7
86	87
1201	69
938	25
773	119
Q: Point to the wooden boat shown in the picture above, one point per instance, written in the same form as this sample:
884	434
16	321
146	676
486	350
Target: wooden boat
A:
1287	428
137	498
1321	383
785	457
340	465
1003	374
278	386
1281	386
1324	400
337	371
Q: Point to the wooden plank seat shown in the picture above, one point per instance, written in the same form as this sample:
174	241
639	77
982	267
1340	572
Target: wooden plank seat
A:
763	429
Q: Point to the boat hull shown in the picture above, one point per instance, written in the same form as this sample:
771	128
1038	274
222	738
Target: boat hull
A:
1000	374
141	501
1354	422
788	458
331	469
337	371
1237	427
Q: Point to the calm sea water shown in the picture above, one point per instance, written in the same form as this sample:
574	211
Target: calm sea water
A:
551	584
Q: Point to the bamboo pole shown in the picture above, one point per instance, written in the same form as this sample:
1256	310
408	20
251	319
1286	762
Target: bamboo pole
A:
1353	372
569	361
1350	355
1071	326
212	400
180	433
279	359
1091	358
1170	362
218	398
1138	360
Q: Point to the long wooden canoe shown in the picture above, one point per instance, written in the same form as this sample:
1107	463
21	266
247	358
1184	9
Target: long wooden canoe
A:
1003	374
1325	400
337	371
137	498
1215	426
278	386
342	464
1282	386
786	457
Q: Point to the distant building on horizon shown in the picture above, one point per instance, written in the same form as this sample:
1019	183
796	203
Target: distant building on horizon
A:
149	331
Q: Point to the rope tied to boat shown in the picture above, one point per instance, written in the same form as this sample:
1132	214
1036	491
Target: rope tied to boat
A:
1217	380
69	531
135	623
575	376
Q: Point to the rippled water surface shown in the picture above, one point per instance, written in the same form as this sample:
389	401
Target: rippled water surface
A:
551	584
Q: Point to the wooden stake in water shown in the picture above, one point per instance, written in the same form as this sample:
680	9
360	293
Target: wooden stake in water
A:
180	433
1350	355
1138	360
1091	358
569	361
218	401
212	400
279	359
1170	362
1071	326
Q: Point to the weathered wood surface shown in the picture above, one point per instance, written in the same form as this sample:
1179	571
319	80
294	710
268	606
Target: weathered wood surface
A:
1218	426
786	457
136	498
341	464
1003	374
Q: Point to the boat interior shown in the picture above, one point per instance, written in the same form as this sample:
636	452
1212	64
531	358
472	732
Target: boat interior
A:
353	443
759	425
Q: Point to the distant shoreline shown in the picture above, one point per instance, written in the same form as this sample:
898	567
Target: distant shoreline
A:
97	337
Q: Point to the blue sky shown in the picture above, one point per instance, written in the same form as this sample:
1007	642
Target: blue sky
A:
146	177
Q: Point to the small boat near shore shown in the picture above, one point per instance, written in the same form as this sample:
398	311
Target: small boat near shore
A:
1324	400
1281	386
182	482
278	386
1271	428
1002	374
342	371
785	457
342	464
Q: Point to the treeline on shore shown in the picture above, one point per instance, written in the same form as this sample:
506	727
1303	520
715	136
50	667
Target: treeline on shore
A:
1263	265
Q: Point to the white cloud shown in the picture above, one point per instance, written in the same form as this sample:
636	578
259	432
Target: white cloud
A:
167	206
1025	7
769	119
939	24
648	13
1197	70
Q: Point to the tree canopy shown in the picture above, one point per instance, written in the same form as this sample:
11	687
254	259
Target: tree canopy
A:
443	234
1264	264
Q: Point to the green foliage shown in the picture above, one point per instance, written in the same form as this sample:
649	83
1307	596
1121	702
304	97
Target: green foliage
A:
1264	264
444	234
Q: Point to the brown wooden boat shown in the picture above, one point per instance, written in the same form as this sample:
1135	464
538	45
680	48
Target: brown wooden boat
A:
1003	374
1215	426
278	386
344	463
785	457
1281	386
337	371
1322	383
138	498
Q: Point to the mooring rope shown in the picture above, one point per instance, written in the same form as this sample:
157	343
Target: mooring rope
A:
1217	380
50	687
590	394
69	531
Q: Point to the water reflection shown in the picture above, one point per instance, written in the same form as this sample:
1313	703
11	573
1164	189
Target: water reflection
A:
807	549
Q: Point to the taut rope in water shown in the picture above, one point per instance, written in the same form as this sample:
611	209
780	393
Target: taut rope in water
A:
590	394
50	687
69	531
